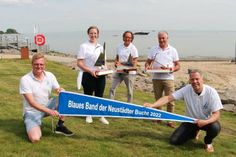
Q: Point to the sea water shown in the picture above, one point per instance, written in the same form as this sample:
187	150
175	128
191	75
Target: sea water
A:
187	43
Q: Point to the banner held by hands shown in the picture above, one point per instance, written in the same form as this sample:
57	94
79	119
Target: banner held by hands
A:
75	104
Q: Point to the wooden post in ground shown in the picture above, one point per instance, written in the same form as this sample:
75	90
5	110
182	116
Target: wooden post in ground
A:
24	52
235	53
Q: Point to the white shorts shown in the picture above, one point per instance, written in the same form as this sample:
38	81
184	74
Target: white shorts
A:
33	119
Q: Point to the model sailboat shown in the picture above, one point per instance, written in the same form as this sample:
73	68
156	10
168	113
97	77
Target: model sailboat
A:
101	63
126	66
163	69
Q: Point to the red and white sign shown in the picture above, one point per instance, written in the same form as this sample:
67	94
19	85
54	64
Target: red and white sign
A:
39	39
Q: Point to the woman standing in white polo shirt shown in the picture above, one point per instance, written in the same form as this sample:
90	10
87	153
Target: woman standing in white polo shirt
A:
86	59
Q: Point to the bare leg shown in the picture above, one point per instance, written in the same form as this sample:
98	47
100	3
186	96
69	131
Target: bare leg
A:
34	134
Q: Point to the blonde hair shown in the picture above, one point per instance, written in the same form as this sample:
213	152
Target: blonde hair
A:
37	56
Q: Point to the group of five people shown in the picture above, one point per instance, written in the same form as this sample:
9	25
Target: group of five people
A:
202	101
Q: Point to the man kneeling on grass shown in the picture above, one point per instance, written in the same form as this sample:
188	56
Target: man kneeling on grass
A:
36	87
202	103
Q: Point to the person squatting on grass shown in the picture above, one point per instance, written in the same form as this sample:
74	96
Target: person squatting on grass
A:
163	56
202	103
36	87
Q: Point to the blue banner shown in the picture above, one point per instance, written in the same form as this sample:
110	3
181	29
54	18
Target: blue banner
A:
75	104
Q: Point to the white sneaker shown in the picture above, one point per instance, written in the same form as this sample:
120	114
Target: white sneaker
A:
104	120
89	119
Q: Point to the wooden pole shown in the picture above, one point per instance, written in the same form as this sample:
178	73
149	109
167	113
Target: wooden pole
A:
235	54
17	42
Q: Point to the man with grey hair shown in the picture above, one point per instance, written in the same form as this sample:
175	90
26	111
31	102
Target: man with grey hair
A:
202	103
163	56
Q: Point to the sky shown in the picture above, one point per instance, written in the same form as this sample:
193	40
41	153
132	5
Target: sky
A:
77	15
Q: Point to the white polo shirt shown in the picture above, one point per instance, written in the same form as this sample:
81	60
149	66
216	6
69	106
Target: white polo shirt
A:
89	53
41	90
199	106
123	52
165	57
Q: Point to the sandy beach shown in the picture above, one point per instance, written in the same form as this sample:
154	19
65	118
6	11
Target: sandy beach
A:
218	74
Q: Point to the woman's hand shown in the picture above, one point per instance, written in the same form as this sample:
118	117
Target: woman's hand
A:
93	73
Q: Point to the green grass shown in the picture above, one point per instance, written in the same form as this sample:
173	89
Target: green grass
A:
123	137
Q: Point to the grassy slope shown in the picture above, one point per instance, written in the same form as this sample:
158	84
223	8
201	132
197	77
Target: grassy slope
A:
123	137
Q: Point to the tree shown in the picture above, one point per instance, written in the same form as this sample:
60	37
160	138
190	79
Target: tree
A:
1	32
11	31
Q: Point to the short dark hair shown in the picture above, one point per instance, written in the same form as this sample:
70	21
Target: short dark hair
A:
190	71
132	35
